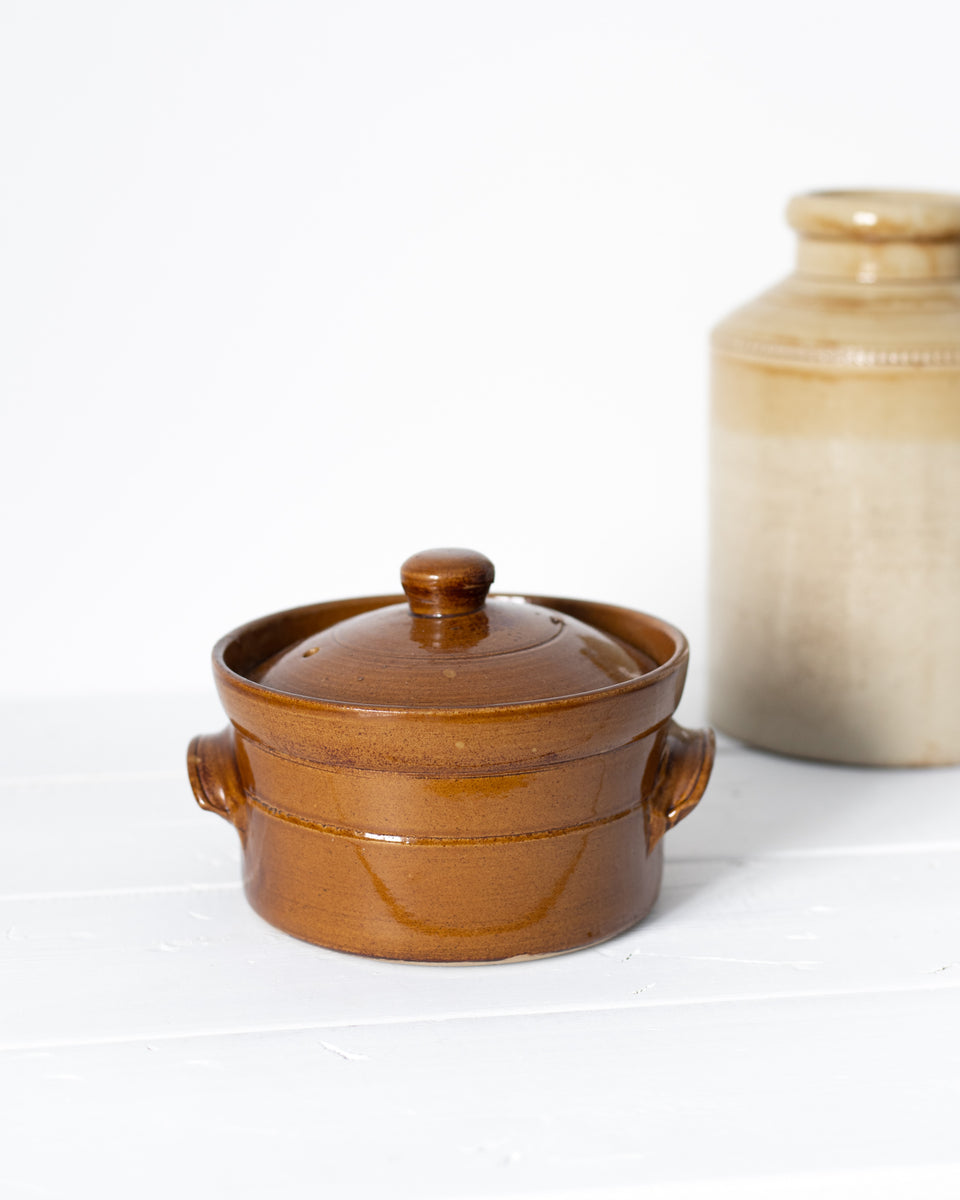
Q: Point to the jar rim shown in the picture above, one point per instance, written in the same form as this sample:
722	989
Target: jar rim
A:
876	214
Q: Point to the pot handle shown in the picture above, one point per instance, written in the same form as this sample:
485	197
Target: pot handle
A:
216	783
686	761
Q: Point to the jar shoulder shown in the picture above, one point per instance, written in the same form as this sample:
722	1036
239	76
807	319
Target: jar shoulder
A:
801	311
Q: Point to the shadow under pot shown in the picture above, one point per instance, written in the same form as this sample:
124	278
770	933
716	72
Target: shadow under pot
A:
452	778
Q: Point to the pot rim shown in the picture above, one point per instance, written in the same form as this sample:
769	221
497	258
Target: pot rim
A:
231	644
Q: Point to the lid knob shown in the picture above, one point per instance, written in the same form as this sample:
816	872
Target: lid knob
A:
447	582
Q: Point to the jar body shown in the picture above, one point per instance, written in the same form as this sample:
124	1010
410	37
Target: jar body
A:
835	510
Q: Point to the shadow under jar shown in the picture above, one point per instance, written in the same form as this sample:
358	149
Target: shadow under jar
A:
452	778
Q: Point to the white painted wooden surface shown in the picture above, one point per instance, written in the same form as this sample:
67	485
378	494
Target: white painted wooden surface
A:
786	1023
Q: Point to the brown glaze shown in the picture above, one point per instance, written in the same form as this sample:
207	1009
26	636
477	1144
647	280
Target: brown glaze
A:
446	583
439	651
465	818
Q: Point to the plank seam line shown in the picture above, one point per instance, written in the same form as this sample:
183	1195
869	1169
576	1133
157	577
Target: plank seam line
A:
160	889
82	777
866	851
443	1018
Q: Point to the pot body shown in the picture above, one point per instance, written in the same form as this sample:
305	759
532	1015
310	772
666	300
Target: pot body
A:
471	835
835	492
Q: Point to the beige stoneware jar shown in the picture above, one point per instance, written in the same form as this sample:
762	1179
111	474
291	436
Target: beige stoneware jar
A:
835	490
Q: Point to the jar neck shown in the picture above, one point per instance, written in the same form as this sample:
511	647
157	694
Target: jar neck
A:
873	262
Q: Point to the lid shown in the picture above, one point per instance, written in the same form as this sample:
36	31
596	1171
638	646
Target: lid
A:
449	646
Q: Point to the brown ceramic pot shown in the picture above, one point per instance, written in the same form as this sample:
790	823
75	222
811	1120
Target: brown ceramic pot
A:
452	778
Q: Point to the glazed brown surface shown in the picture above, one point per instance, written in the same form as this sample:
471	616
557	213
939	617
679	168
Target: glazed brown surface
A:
452	833
449	646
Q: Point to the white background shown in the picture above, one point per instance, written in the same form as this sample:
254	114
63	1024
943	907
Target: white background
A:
291	290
